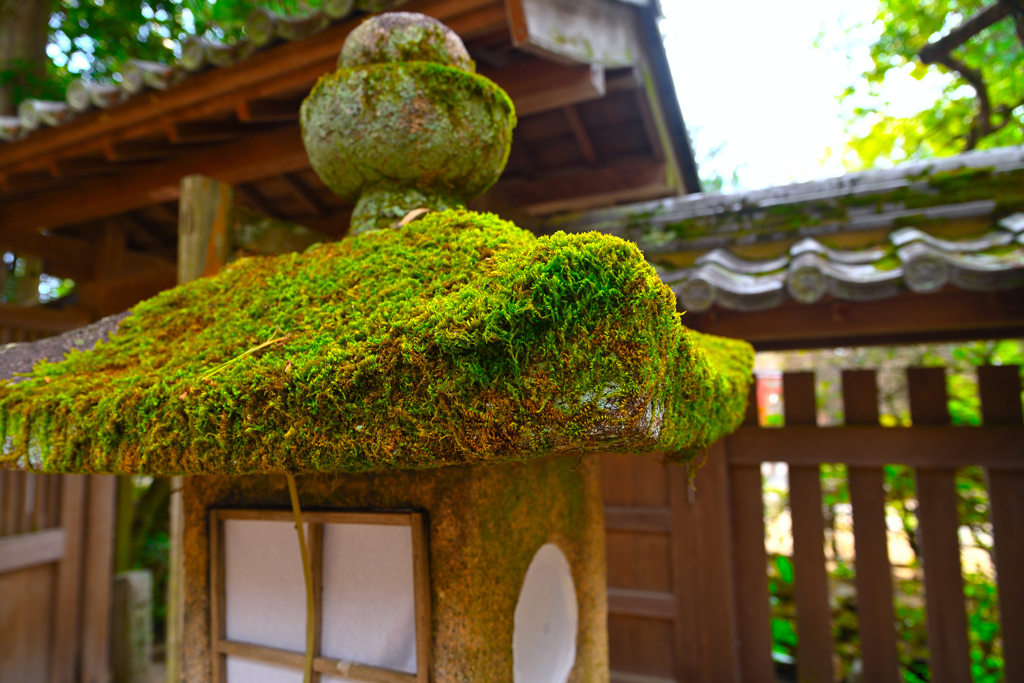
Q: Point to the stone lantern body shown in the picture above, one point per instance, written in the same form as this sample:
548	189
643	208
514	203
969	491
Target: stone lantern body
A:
436	380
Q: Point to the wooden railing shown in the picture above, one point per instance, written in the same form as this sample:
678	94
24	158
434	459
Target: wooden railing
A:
712	600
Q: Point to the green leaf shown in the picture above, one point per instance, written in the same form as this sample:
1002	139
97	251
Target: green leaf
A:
785	569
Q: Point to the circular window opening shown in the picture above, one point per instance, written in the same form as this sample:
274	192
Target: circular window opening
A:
544	639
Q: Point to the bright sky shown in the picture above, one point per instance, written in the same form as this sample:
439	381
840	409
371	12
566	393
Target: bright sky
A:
750	78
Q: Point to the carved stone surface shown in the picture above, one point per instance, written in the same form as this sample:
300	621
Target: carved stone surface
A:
392	135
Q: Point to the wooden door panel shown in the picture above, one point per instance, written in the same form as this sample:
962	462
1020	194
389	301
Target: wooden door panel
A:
640	645
26	597
639	561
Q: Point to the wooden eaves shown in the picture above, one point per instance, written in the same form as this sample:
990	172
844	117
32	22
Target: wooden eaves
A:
95	195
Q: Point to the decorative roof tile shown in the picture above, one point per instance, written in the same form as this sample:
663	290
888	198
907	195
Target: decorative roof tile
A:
896	208
263	28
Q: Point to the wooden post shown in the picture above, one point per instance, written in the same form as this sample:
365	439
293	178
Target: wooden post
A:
67	595
874	573
204	223
125	517
1000	404
939	526
98	578
813	615
750	566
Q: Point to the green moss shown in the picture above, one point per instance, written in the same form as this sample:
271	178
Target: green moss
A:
457	339
1006	188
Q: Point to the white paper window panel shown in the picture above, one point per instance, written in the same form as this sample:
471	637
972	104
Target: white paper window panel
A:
369	605
264	586
368	601
241	670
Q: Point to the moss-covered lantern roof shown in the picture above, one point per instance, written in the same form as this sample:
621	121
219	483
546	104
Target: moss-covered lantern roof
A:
425	338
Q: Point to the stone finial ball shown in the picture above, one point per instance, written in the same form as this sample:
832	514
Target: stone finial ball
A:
404	37
404	114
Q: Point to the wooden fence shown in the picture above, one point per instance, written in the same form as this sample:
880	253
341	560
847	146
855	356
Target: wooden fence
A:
56	555
687	567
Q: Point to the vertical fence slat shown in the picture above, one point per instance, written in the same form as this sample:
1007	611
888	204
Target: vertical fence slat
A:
750	566
716	600
67	600
53	514
3	501
28	502
750	563
685	561
874	573
810	583
41	502
938	526
98	575
1000	387
13	503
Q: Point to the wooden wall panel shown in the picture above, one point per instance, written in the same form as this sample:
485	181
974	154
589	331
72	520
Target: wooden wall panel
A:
638	561
640	645
26	598
631	480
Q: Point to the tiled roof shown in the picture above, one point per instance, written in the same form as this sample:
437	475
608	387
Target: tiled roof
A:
891	214
911	259
263	28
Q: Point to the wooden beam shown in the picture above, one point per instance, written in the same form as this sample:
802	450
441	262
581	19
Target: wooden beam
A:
110	252
28	550
639	519
600	186
301	191
286	66
952	314
43	319
919	446
581	31
641	603
579	131
333	225
521	158
241	161
538	85
253	198
268	110
192	132
479	21
107	297
142	149
64	256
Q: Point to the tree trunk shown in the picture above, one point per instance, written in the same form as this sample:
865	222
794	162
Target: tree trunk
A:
24	29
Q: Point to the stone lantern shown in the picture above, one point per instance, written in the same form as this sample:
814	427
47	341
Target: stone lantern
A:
431	385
